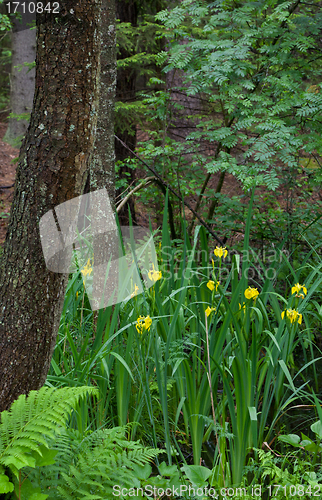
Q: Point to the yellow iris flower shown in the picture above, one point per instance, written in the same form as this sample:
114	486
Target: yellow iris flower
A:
143	323
136	288
86	271
221	252
292	315
251	293
297	288
209	310
154	275
212	285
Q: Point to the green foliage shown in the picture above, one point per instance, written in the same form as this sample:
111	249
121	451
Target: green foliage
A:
251	62
89	465
25	428
140	44
255	70
160	380
5	24
287	476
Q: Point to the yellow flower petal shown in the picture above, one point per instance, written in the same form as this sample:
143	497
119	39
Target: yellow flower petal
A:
209	310
86	271
136	288
211	285
221	252
292	315
297	288
143	323
147	323
251	293
154	275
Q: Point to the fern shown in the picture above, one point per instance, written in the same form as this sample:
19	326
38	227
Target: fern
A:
27	426
88	467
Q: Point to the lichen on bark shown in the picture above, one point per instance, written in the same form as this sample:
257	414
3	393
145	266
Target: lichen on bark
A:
52	169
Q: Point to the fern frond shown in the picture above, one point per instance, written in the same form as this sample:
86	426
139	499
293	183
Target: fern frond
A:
93	464
32	419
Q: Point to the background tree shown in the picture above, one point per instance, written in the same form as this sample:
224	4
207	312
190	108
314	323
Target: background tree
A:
102	165
256	69
126	12
138	43
53	166
5	57
22	76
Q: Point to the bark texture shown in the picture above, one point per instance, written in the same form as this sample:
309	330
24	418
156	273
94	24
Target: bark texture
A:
102	164
53	167
102	168
22	80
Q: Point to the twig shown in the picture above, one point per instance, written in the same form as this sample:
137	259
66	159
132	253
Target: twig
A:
172	191
6	187
142	184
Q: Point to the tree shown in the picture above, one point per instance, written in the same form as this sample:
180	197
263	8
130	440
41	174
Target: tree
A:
102	165
257	68
53	167
22	77
139	41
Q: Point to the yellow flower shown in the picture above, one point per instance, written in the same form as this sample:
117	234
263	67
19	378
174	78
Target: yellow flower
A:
297	288
148	323
292	315
143	323
154	275
240	307
209	310
87	269
251	293
221	252
212	285
136	288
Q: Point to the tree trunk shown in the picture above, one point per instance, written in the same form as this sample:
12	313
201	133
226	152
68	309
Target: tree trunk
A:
102	164
53	166
22	80
102	167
